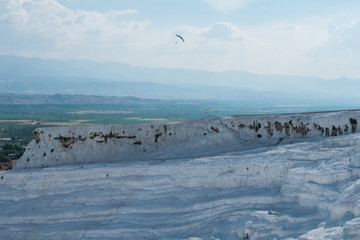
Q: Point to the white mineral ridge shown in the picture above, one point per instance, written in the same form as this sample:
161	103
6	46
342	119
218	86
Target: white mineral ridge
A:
204	137
297	181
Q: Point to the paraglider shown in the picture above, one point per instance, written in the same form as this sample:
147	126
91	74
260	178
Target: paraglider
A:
180	37
208	109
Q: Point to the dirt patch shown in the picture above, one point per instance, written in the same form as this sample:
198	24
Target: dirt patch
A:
71	123
29	122
68	142
97	112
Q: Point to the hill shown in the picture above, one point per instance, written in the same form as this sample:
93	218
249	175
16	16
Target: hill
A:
40	76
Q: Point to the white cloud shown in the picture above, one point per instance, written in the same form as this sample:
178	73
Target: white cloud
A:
219	30
48	29
341	42
223	30
311	47
345	35
227	5
219	47
287	27
45	28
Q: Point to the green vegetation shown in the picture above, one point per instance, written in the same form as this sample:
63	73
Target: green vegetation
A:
20	115
99	113
14	136
18	121
18	131
10	152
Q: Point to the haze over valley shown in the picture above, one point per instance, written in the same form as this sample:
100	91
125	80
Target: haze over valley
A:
38	76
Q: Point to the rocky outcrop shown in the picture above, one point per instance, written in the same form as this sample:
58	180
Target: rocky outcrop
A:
306	191
204	137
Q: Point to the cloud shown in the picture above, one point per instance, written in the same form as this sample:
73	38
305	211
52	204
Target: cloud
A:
50	29
219	30
345	35
219	47
47	29
222	30
227	5
341	42
287	27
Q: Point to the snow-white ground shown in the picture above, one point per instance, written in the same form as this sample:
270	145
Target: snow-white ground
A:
307	190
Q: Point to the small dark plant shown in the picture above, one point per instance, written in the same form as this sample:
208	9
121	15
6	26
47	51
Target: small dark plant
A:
353	121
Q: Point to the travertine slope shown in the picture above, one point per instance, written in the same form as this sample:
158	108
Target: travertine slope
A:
205	137
252	188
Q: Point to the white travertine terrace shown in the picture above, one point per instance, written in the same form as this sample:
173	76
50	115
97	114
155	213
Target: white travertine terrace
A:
294	176
205	137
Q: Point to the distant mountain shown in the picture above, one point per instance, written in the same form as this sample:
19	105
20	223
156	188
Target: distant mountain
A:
40	76
10	98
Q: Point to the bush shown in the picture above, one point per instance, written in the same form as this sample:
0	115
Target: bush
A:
3	157
353	121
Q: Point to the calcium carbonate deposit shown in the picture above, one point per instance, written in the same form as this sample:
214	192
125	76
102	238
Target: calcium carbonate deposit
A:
291	176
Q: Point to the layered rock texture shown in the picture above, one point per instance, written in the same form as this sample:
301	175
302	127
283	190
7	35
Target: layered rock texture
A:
237	177
205	137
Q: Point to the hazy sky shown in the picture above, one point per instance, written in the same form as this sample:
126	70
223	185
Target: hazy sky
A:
298	37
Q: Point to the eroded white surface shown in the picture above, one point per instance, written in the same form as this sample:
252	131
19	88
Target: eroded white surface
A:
205	137
308	190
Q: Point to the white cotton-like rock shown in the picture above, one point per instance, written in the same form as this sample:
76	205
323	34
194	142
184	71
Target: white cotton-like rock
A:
322	233
352	229
205	137
215	178
355	157
349	200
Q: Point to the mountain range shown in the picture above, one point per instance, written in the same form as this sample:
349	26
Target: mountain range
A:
22	75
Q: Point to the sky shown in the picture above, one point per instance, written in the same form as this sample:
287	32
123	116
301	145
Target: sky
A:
304	37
